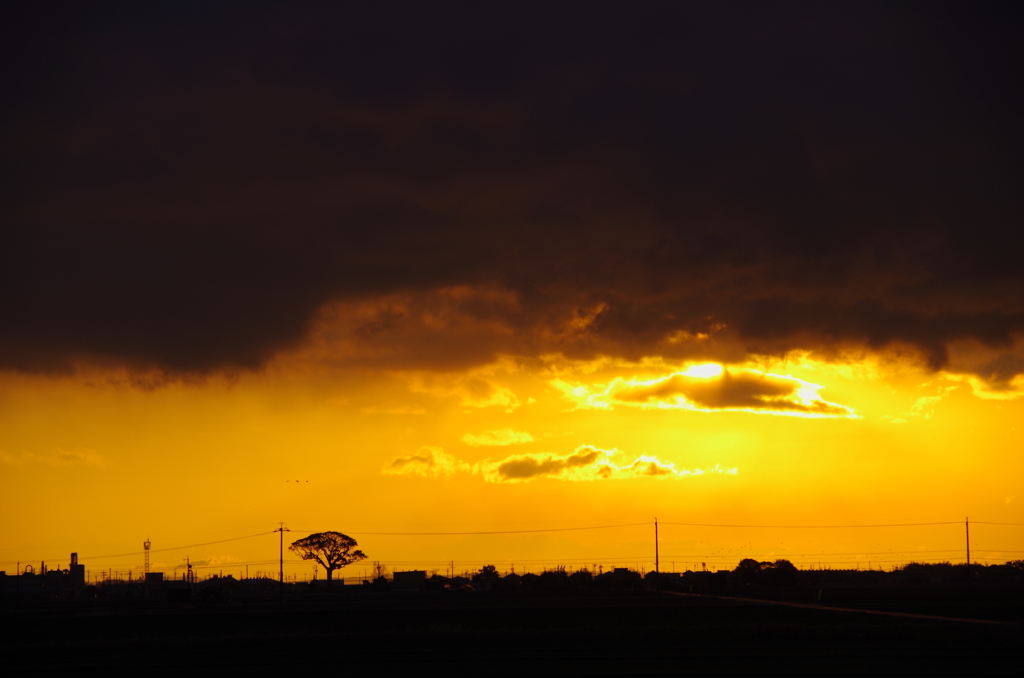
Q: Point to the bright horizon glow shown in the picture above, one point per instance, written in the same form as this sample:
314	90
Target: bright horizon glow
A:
97	467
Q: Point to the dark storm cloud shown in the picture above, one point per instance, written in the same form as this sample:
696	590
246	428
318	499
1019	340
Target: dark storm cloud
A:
195	188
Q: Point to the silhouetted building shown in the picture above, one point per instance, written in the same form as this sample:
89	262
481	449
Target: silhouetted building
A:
719	582
413	580
46	582
76	571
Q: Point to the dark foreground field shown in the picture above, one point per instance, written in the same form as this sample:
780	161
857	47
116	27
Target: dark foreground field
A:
610	634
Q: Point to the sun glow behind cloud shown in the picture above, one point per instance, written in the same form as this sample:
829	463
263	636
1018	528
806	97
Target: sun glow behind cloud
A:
710	388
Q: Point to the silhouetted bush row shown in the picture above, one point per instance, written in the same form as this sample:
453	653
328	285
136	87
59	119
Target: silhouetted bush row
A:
750	578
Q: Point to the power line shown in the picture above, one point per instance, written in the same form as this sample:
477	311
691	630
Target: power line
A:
983	522
439	534
573	529
209	543
952	522
608	559
169	548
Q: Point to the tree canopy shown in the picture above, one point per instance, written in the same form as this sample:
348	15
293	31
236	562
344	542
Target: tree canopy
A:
331	550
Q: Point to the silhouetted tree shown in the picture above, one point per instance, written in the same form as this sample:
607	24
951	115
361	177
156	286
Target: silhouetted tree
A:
581	579
487	571
554	580
780	573
510	582
331	550
747	572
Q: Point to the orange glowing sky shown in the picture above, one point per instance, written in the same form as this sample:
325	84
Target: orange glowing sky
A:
97	466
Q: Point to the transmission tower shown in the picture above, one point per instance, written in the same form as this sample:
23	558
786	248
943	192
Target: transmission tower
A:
145	549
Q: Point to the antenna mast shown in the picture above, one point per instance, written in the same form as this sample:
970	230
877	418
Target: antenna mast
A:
145	549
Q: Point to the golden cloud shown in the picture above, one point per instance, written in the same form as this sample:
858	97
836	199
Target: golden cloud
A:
992	389
428	461
710	388
923	407
992	375
586	463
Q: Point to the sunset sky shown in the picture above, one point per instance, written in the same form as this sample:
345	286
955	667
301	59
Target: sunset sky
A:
500	268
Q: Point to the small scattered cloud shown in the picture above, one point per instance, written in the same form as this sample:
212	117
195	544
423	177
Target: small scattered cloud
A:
528	466
58	457
500	437
923	407
428	461
710	388
1008	500
586	463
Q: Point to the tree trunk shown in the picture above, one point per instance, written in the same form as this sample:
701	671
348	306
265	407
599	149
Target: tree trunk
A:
330	572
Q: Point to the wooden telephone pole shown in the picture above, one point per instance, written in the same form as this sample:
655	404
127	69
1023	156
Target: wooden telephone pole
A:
657	560
967	534
280	572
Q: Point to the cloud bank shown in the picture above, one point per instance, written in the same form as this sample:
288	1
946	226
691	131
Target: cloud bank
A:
693	183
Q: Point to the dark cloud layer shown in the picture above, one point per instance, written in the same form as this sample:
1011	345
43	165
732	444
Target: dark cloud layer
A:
192	188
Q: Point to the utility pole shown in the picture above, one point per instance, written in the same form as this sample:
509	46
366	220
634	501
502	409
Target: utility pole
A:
657	560
967	532
280	571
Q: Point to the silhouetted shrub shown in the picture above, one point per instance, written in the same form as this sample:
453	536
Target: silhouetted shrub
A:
581	579
554	580
619	579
